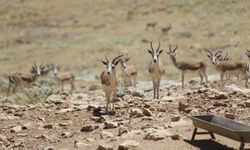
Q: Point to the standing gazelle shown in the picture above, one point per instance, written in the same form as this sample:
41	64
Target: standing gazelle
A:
185	66
156	69
129	72
16	79
64	77
228	66
109	82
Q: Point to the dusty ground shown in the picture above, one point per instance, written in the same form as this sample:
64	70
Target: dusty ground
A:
42	125
77	33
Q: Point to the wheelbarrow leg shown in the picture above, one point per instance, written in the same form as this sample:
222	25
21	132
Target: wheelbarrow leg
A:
242	144
194	133
211	134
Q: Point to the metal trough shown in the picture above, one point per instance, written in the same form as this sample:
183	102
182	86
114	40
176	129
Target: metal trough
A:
222	126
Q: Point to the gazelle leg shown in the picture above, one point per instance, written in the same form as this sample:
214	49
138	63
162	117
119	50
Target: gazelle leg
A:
14	89
8	90
154	87
201	77
72	86
107	102
62	88
158	88
182	79
113	104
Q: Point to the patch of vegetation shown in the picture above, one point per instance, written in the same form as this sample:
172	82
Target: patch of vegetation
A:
93	87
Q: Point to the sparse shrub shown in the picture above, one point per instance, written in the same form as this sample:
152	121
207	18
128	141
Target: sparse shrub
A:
185	35
93	87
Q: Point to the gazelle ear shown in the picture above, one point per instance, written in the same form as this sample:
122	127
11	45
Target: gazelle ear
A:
160	51
104	62
116	63
149	51
127	59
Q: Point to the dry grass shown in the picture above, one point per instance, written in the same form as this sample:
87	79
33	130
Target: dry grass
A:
77	33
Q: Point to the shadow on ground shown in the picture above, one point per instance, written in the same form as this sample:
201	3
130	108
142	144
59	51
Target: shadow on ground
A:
208	145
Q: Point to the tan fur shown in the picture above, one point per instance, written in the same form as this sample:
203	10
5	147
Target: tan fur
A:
156	69
188	66
109	82
16	79
129	73
66	77
229	67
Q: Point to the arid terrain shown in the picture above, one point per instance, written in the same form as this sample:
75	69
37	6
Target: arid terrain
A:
76	34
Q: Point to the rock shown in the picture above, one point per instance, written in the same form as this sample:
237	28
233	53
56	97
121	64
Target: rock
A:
56	99
110	124
127	98
48	126
89	128
182	106
135	92
67	134
157	134
48	148
43	136
122	130
175	118
2	118
230	116
64	124
220	104
79	144
105	147
129	145
147	112
26	126
16	129
136	112
176	137
248	103
62	111
3	138
235	88
106	135
181	123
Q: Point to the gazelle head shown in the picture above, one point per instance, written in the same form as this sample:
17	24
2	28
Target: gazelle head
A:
225	58
111	65
155	53
55	68
214	57
172	52
124	60
37	70
248	53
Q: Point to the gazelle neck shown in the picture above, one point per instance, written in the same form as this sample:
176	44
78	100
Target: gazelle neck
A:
174	60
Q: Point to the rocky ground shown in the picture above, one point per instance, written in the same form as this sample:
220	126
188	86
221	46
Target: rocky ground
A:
76	121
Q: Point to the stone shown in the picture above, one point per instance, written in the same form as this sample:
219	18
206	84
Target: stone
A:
67	134
136	112
147	112
248	103
182	106
48	148
230	116
79	144
105	147
219	104
121	130
157	134
89	128
3	138
175	118
106	135
176	137
48	126
129	145
110	124
16	129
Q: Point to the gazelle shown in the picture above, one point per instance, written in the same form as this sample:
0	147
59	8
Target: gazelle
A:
16	79
156	68
109	82
248	54
185	66
47	69
228	66
129	73
64	77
